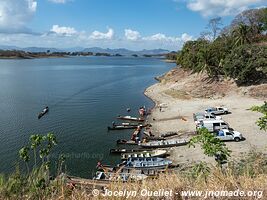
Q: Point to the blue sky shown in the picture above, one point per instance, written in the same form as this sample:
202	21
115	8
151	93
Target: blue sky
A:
134	24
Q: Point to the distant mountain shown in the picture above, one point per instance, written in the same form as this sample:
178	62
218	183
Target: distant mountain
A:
41	49
121	51
124	51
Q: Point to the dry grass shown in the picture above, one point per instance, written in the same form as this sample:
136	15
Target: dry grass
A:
178	94
216	181
246	175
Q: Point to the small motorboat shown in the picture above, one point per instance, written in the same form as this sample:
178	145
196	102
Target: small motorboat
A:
129	118
119	151
144	154
164	143
154	162
129	142
109	176
125	126
44	111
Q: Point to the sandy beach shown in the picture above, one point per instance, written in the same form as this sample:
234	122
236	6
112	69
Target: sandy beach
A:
179	100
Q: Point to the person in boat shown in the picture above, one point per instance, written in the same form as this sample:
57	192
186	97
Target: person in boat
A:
113	124
128	109
99	165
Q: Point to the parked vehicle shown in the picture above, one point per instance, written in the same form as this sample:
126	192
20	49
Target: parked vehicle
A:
200	116
217	110
213	125
228	135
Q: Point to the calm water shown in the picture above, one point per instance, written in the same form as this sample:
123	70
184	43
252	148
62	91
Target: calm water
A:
84	95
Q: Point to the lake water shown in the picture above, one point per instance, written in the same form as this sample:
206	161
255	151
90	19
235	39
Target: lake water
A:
84	94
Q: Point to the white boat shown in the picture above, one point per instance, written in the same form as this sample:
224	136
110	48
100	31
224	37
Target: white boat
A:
144	154
109	176
164	143
154	162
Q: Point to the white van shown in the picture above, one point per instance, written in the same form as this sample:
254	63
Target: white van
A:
213	125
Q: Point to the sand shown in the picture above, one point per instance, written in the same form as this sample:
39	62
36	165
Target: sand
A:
179	105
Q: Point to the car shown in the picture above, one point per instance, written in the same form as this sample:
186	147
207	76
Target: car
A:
229	135
217	110
201	116
213	125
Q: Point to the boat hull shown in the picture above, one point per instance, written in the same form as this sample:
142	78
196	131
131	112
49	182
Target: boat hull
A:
163	145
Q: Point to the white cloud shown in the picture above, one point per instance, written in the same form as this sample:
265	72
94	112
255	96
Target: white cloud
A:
63	30
96	35
222	7
59	1
158	36
185	37
163	38
14	14
65	37
131	35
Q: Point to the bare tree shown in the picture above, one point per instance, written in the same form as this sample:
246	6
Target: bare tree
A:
214	27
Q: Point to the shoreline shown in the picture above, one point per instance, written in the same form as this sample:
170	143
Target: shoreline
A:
241	119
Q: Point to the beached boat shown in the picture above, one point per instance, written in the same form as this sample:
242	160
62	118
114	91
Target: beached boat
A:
119	151
150	138
125	126
164	143
130	142
129	118
44	111
109	176
150	172
144	154
154	162
168	134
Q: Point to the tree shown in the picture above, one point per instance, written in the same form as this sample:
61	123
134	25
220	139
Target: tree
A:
211	145
262	121
241	34
24	155
215	27
246	64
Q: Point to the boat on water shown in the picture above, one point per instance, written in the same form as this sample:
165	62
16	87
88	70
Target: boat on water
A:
44	111
129	142
164	143
125	126
129	118
154	162
109	176
119	151
150	172
144	154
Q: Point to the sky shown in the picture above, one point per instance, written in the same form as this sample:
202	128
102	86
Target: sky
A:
132	24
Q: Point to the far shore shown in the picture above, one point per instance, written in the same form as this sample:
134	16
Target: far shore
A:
181	102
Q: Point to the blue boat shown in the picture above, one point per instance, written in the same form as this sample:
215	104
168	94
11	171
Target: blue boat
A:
153	162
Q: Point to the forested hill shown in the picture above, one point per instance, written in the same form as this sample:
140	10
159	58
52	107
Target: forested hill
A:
237	51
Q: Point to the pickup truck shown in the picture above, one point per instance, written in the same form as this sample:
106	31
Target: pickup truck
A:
200	116
229	135
217	110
